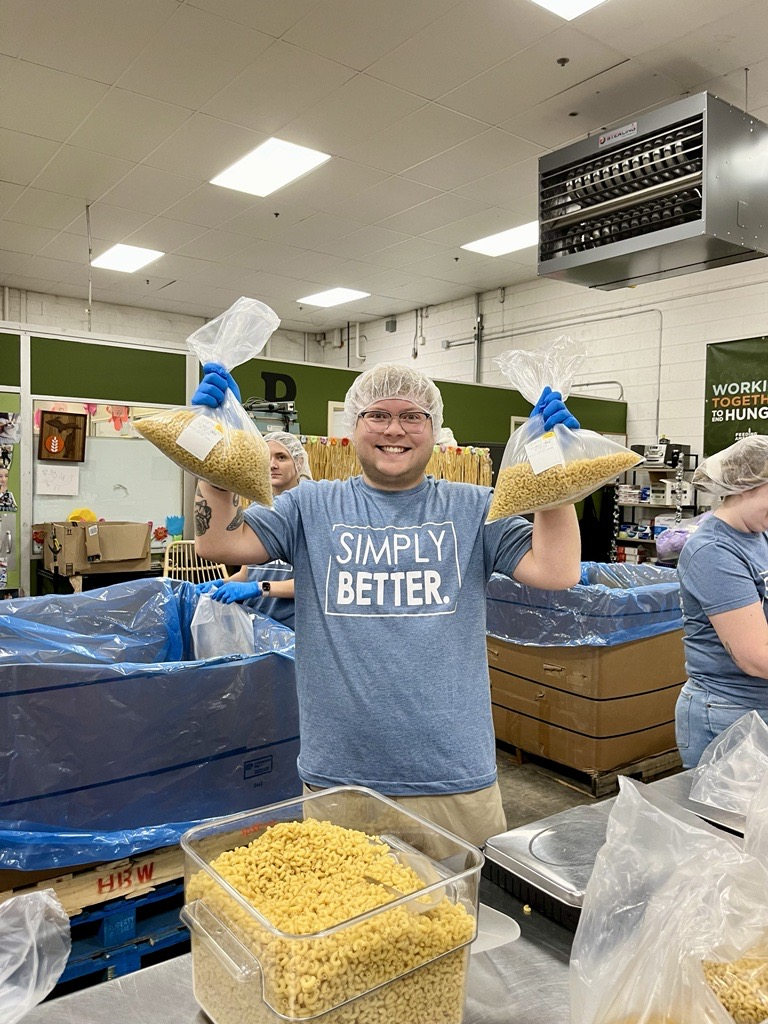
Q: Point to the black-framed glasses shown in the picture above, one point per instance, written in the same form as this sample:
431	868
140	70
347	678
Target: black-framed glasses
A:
413	420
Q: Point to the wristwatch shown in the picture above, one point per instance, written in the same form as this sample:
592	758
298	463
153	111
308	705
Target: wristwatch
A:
266	586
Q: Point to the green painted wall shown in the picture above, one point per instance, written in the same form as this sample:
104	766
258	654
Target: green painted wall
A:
10	364
69	368
475	413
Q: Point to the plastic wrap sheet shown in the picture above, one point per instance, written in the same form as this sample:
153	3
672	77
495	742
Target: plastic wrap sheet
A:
103	760
622	607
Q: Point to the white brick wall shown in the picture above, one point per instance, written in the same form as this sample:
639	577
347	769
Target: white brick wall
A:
652	339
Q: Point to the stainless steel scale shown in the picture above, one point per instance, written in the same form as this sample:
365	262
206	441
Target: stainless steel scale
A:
548	863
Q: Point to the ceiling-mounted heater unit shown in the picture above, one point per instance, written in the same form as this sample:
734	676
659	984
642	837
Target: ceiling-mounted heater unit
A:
682	189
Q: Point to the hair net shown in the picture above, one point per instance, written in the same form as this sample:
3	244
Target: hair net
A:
389	380
295	449
739	468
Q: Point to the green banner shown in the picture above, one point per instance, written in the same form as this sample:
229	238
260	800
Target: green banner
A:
736	397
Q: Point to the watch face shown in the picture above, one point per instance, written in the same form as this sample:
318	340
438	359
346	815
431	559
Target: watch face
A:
266	587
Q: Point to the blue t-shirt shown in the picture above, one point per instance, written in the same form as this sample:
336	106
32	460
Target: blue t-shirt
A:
391	663
281	609
721	569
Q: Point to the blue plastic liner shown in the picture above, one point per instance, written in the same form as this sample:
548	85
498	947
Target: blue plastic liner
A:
111	743
614	604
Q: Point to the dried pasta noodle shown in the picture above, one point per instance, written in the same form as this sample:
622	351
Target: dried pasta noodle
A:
519	489
241	465
741	986
305	877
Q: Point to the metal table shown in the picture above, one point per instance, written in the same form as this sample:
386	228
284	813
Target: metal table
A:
524	981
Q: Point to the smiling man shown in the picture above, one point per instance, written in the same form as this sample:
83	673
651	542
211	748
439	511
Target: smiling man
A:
391	569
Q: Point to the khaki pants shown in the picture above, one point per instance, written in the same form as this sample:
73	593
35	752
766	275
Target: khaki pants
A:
475	817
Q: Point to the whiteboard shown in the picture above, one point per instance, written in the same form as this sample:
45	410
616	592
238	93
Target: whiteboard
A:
121	479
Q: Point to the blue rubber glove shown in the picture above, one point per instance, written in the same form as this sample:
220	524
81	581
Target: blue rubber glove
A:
552	408
212	389
233	591
208	586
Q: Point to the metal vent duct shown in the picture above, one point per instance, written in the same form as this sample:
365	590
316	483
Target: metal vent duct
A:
682	189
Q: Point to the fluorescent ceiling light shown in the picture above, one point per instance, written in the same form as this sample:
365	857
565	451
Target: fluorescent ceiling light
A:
569	9
506	241
333	297
268	167
126	258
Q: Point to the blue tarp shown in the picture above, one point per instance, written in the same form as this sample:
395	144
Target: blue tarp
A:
113	741
613	604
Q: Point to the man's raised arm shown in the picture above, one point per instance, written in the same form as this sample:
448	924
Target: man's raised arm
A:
220	531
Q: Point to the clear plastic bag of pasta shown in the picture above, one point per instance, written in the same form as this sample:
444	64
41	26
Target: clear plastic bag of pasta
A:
542	468
674	923
223	445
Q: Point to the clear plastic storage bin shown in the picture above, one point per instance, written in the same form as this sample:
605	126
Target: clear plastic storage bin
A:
294	919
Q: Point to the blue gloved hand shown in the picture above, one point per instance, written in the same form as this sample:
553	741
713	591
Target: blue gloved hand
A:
552	407
212	389
208	586
233	591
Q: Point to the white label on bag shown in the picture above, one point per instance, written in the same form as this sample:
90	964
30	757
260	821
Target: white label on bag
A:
544	453
200	437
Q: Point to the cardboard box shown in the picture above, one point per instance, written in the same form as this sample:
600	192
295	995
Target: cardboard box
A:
584	753
640	666
613	716
95	547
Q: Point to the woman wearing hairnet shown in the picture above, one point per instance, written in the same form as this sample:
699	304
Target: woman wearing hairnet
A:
269	589
723	571
391	569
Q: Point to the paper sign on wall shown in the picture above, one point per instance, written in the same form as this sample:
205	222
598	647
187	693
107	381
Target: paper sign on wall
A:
57	478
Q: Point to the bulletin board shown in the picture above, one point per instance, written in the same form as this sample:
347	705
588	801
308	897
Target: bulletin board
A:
121	479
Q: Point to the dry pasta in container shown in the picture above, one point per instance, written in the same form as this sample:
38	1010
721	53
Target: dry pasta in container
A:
543	469
223	446
339	906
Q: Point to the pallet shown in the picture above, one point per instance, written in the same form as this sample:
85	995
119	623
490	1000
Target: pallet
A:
87	887
598	783
124	960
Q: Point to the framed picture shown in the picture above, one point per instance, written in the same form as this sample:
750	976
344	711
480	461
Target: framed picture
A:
62	437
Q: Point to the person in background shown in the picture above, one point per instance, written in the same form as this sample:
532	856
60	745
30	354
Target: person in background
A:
7	500
269	588
391	570
723	572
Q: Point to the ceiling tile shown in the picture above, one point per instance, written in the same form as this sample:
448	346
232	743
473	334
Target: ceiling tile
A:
28	283
733	87
214	245
127	125
164	234
73	248
9	193
403	253
356	111
607	98
314	266
479	225
191	56
423	134
149	190
386	199
10	262
44	209
18	20
733	40
221	275
433	214
23	156
662	23
181	268
25	238
488	152
428	292
277	87
210	205
471	38
39	101
108	222
97	39
321	227
322	187
76	172
505	187
206	144
273	18
358	32
358	243
48	269
268	218
533	75
263	255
